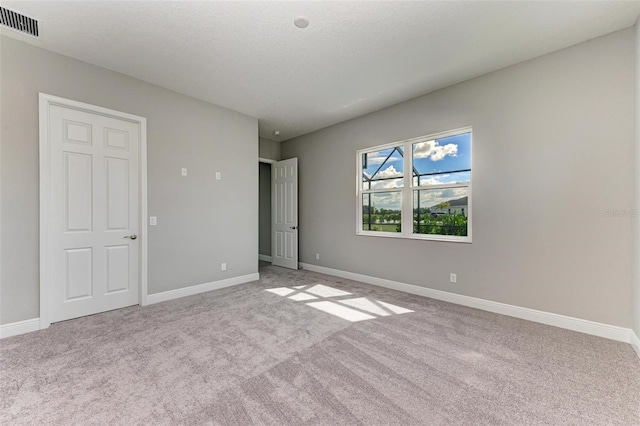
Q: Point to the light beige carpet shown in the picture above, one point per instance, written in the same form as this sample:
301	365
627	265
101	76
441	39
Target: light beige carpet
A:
306	353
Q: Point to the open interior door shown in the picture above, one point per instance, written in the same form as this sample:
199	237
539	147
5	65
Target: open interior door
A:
284	215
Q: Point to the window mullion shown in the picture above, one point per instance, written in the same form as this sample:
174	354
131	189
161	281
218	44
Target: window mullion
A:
407	211
383	190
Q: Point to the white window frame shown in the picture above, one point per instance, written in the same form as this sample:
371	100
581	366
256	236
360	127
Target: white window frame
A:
408	188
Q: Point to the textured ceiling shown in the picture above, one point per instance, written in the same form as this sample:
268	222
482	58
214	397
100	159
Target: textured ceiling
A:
354	58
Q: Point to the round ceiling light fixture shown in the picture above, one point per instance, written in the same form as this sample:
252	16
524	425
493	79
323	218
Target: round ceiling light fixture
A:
276	132
301	22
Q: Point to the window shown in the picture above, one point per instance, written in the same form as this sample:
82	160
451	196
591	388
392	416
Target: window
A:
382	183
432	201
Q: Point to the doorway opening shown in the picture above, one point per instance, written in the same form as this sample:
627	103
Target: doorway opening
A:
264	211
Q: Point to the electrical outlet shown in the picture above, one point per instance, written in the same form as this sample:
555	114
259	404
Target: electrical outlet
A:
184	171
153	221
223	267
453	278
317	256
218	176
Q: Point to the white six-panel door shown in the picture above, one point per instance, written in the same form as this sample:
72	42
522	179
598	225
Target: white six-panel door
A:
284	215
94	213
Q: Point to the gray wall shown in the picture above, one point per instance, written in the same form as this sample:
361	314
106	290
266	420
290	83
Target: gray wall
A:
636	233
553	152
270	149
264	241
201	222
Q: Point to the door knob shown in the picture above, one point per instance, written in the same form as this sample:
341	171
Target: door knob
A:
133	237
293	227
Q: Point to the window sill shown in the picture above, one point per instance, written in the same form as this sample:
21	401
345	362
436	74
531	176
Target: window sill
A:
423	237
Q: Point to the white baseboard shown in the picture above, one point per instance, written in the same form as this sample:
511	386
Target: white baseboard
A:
200	288
635	343
264	258
612	332
20	327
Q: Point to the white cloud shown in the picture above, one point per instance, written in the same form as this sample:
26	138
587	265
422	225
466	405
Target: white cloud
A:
433	197
377	157
456	192
387	200
434	150
460	177
389	172
428	181
386	184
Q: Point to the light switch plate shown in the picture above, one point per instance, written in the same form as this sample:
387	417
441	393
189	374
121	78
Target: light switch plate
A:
184	171
153	220
218	176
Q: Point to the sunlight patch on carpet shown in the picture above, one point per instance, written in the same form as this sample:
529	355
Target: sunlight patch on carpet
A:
302	296
281	291
353	309
341	311
326	291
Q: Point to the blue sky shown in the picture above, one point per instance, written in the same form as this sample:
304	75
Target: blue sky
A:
446	154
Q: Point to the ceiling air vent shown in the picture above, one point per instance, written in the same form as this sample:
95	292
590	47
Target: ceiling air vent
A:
18	22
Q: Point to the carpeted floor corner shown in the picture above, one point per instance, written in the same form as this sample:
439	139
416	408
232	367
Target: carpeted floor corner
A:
300	348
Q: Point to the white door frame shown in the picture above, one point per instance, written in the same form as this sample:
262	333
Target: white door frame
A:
265	160
46	101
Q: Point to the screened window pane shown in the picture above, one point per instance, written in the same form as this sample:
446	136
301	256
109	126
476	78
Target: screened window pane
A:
442	211
387	183
443	160
438	179
383	169
382	211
